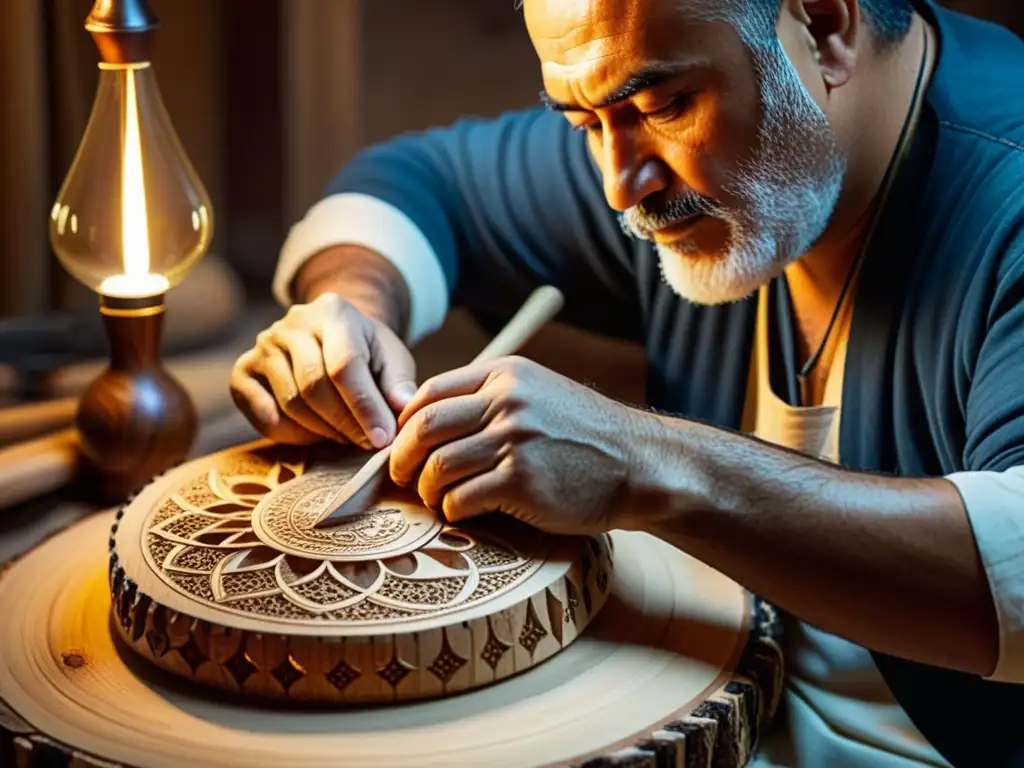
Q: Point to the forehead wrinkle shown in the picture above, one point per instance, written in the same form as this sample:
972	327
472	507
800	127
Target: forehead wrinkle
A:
579	50
577	43
585	55
577	69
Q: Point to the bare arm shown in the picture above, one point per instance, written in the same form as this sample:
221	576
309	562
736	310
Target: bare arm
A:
888	563
362	277
334	367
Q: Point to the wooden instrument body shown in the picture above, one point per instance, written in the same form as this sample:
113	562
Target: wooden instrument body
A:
679	667
219	559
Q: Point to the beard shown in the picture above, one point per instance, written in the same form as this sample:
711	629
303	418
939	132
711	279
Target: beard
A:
785	194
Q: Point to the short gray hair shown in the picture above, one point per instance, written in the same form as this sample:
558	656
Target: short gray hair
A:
889	20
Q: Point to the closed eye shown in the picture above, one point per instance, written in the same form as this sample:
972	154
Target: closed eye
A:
674	109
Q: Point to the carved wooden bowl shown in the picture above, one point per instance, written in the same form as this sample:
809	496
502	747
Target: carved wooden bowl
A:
218	574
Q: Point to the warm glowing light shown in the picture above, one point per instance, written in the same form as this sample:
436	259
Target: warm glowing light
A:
136	280
62	218
132	218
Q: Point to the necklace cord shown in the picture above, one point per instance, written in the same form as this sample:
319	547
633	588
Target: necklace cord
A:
895	162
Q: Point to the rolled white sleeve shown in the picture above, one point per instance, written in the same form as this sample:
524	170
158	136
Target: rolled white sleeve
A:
995	507
357	219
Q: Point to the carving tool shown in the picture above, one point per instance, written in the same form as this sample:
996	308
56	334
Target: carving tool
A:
542	305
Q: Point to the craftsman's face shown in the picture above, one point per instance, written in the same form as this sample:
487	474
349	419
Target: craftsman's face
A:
709	143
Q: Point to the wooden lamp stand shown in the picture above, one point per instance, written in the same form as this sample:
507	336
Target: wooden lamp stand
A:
135	420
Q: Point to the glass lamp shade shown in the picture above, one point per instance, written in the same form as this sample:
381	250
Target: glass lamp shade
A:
132	216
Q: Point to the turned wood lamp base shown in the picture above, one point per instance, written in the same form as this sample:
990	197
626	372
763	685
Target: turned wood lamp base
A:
135	420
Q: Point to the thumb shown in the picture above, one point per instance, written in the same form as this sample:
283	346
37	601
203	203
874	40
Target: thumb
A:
397	368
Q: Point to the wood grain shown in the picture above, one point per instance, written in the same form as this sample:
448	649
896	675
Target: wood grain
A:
135	420
680	668
37	467
30	420
320	54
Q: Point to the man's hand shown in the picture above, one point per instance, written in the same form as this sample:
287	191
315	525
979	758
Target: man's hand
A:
325	371
514	437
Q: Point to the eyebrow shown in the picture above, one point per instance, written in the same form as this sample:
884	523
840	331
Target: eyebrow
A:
648	77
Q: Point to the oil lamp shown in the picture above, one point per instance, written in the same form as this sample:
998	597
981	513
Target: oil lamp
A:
131	219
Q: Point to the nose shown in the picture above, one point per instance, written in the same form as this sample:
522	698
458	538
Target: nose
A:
630	173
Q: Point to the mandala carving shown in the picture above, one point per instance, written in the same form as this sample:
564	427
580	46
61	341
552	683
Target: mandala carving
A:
242	538
286	521
345	612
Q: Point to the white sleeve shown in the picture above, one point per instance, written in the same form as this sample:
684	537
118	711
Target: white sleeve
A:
995	508
358	219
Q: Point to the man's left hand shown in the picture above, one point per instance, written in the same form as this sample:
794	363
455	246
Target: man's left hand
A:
515	437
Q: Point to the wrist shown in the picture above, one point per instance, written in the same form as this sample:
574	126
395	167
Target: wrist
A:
667	481
365	279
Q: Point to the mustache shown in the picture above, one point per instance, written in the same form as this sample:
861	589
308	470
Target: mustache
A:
652	214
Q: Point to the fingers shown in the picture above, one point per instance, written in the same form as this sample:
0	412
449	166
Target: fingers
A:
318	363
397	368
433	426
456	462
316	389
477	496
461	381
347	361
261	409
276	368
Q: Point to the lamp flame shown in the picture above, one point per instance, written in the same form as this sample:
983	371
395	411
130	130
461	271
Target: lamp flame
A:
136	280
134	228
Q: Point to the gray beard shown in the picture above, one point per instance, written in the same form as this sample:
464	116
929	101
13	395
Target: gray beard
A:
787	192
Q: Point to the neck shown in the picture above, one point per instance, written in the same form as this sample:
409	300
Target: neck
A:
817	279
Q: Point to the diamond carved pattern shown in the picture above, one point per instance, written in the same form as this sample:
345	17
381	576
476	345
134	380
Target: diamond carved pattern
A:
240	665
157	642
394	671
139	622
533	631
602	580
342	675
573	600
191	654
555	614
288	673
447	662
494	649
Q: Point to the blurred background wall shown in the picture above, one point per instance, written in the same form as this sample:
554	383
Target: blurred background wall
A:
269	98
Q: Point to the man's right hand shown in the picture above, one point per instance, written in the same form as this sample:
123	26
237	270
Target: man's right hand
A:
325	371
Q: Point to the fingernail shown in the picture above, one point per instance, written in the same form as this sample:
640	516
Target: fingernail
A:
404	392
378	437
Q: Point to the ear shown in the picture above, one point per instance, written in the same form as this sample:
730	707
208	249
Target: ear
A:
832	29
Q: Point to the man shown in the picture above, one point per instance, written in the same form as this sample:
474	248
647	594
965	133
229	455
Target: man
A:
810	212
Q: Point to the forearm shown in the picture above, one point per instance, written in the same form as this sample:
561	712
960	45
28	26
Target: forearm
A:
502	205
364	278
888	563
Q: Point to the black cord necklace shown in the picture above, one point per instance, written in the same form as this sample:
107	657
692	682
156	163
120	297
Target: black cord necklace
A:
895	162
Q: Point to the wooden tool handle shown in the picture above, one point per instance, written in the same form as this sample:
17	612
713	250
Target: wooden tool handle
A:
28	420
541	306
37	467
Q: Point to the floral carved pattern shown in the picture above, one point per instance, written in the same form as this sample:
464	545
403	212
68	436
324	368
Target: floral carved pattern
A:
244	542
